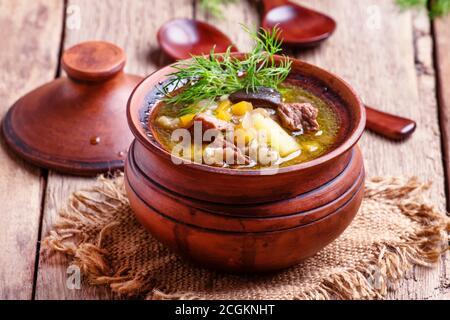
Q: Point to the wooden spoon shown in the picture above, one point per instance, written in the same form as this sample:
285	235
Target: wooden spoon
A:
300	26
181	38
388	125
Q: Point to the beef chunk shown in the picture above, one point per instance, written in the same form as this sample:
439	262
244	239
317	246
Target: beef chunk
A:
260	97
224	151
210	122
298	116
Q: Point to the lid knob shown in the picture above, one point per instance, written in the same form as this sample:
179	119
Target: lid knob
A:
93	61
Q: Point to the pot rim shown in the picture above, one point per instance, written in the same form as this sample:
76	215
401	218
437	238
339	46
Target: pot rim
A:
139	93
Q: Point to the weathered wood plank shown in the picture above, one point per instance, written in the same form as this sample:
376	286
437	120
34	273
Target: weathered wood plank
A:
132	25
235	14
386	55
54	270
442	49
442	45
30	43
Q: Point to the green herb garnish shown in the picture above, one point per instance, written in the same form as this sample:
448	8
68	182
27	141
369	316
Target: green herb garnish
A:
209	77
214	7
436	8
411	3
440	8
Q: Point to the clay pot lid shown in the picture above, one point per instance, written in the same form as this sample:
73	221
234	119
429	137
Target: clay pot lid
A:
76	124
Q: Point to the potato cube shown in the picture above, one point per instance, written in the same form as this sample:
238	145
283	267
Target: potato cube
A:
276	137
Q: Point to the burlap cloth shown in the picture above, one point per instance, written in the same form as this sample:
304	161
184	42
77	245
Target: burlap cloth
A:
393	231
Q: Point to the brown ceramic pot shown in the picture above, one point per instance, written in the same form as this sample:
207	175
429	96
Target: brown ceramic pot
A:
276	215
245	251
76	124
243	220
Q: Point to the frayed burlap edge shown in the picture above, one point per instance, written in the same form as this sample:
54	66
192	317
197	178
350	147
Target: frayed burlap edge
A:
423	246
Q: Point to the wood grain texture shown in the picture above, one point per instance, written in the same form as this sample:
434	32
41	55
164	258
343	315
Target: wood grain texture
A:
235	14
442	63
54	270
131	25
442	49
30	43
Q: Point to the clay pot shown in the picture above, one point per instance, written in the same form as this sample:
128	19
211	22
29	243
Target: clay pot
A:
243	220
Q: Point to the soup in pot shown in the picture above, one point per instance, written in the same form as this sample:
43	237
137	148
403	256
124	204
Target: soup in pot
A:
249	129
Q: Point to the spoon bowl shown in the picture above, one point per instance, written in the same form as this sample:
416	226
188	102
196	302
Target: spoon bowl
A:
181	38
300	26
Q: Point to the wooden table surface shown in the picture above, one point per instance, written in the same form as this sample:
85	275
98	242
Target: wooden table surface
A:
398	61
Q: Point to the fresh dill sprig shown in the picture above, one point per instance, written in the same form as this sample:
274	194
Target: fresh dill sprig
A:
437	8
209	77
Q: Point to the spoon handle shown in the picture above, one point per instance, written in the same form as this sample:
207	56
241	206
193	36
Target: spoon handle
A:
270	4
388	125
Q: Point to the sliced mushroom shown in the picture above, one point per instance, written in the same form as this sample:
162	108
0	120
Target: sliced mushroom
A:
260	97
